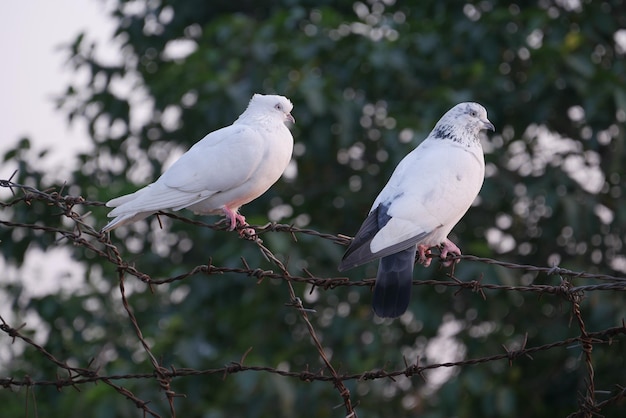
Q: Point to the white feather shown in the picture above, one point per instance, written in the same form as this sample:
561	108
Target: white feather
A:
430	190
427	194
226	169
434	185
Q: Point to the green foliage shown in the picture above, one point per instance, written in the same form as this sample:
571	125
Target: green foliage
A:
368	81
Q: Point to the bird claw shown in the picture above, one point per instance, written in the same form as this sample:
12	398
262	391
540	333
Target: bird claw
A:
234	218
424	253
448	247
238	222
242	225
247	233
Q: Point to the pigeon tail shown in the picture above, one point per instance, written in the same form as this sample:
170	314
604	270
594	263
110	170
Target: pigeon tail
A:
392	291
125	219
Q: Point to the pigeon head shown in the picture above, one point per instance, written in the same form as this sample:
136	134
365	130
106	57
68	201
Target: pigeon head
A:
271	105
476	116
462	123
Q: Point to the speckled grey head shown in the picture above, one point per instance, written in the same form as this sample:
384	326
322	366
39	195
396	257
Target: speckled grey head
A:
462	123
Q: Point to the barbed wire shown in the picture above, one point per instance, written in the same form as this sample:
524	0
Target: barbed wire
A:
85	235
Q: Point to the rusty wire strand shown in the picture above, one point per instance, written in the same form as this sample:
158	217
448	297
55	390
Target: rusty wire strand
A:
85	235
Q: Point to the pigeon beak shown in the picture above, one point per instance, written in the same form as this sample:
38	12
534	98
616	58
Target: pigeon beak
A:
488	125
290	118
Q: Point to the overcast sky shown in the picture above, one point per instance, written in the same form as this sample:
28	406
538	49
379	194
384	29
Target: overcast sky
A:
34	71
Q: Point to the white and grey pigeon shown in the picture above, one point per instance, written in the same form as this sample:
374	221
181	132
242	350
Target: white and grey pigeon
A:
225	170
427	194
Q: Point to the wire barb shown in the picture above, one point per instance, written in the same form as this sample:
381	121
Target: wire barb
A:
92	240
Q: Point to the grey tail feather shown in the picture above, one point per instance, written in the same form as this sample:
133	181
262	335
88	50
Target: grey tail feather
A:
392	291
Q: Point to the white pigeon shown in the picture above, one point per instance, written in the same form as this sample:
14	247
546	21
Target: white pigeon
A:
225	170
427	194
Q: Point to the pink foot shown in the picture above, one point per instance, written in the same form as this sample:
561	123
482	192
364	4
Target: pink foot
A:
240	219
448	247
235	220
232	217
424	253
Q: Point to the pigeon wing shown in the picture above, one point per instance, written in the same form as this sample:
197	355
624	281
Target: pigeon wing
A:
359	251
427	194
222	160
433	188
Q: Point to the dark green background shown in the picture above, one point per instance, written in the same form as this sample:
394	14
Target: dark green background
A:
361	76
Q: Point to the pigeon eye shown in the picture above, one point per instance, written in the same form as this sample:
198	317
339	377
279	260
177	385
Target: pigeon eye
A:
278	107
473	113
